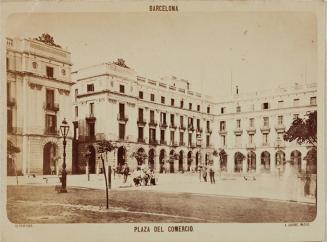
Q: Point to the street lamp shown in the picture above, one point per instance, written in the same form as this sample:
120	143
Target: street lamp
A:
64	128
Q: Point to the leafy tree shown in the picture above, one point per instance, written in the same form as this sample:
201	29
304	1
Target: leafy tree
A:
12	150
303	131
140	156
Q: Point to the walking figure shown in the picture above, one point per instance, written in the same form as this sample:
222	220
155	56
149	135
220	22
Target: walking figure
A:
125	172
212	174
204	173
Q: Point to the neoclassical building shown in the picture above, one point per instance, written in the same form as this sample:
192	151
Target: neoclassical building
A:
179	128
38	99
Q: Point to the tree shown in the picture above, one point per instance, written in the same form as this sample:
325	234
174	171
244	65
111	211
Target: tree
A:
140	156
103	147
303	131
12	150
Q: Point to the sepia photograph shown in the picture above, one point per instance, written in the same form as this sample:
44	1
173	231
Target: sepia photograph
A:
162	116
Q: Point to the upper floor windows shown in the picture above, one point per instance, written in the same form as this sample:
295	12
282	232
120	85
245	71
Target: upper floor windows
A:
152	97
265	106
90	87
162	100
49	71
76	94
238	109
172	102
238	123
198	108
182	104
266	121
91	109
34	65
222	110
280	104
313	101
251	122
222	125
208	109
280	120
121	88
190	106
140	94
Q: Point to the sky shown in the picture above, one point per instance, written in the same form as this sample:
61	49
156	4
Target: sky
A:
215	51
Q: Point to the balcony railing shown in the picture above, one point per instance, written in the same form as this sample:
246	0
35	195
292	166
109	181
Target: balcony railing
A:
250	146
172	126
173	143
265	144
199	130
191	129
153	123
141	122
163	142
238	131
11	101
251	130
192	145
51	131
182	127
163	125
222	131
90	118
280	144
280	128
51	107
181	143
153	142
265	129
121	117
139	140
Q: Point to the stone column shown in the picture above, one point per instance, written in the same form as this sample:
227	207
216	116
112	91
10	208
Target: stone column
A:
230	163
257	163
244	165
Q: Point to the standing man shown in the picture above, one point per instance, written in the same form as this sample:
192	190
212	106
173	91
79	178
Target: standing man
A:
126	172
212	173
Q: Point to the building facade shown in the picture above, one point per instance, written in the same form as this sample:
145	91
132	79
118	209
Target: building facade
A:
178	128
38	99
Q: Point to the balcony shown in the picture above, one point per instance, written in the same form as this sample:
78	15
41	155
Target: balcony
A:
90	118
140	140
192	145
181	143
199	130
153	142
280	128
222	131
279	144
163	142
265	144
238	131
172	126
153	123
251	130
265	129
163	125
182	127
11	102
122	118
250	146
173	143
51	107
51	131
209	130
141	122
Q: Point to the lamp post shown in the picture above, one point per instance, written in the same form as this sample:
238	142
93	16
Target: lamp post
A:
64	128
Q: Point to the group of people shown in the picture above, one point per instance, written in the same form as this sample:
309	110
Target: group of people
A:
204	170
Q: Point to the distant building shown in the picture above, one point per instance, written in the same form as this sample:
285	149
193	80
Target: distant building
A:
38	99
166	117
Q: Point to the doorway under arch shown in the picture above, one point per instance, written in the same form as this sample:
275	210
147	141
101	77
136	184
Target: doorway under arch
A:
296	160
49	153
92	159
121	157
162	155
265	161
251	161
151	159
180	161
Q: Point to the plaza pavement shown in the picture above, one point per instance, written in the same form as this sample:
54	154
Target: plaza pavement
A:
265	186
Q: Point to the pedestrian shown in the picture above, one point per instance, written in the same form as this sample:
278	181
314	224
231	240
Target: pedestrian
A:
114	170
212	174
125	172
199	168
204	173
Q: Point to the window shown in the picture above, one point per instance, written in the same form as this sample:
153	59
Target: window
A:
222	110
265	121
91	130
49	98
208	140
198	108
76	112
121	88
181	121
162	100
265	106
295	116
280	104
190	106
208	109
152	135
182	104
51	123
91	109
181	138
190	139
121	110
76	94
238	140
163	118
238	109
121	131
222	125
63	72
251	122
313	101
223	140
90	87
140	94
49	71
251	138
280	120
208	125
9	120
265	139
198	124
140	118
7	64
172	102
296	102
152	97
190	122
34	65
140	134
8	90
172	119
151	116
238	123
162	136
172	137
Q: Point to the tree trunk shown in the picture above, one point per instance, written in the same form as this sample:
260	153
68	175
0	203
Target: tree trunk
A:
105	178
